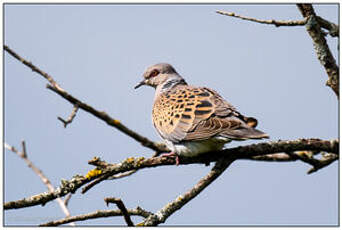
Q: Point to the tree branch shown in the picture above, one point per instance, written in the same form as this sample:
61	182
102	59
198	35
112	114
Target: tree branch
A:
179	202
313	25
242	152
122	208
321	47
71	117
333	29
269	22
159	147
44	179
327	159
98	214
41	199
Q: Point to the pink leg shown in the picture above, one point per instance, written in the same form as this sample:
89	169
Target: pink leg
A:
171	154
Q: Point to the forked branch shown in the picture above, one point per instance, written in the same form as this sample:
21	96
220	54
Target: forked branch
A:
321	47
180	201
313	24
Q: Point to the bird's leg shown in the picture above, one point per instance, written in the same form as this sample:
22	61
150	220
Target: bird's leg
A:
171	154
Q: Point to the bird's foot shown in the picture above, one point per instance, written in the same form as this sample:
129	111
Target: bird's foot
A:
171	154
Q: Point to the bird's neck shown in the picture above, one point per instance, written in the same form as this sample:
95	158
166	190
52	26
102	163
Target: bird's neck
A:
169	84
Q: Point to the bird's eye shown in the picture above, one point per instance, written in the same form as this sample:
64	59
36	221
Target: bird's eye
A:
154	73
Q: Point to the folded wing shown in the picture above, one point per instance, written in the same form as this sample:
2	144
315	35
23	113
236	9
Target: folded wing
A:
188	113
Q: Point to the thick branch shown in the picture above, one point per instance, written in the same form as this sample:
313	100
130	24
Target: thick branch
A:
101	115
98	214
179	202
269	22
242	152
321	47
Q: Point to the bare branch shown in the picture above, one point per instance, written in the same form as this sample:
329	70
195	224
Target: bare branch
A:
41	199
321	47
242	152
24	152
94	182
121	175
122	208
313	25
33	67
327	159
67	199
103	165
45	180
305	156
98	214
101	115
105	177
334	30
282	156
269	22
277	157
179	202
71	117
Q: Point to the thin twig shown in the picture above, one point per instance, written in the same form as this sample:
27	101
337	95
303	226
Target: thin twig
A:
44	179
98	214
24	153
122	208
269	22
33	67
321	47
94	182
101	115
121	175
70	118
242	152
179	202
67	199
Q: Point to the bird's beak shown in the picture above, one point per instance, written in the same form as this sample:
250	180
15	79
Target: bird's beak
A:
140	84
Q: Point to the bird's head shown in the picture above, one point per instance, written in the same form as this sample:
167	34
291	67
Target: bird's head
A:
159	74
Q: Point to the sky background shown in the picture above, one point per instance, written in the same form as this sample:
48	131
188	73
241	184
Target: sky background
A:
98	53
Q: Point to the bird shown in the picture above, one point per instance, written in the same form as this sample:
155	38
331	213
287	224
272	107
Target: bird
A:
193	120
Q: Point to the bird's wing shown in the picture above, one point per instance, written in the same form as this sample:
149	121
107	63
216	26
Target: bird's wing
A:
190	113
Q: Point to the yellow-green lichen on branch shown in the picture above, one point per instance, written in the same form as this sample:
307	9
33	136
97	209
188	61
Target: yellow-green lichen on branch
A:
129	160
116	122
92	173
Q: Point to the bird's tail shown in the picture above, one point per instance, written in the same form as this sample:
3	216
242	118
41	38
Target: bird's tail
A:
244	133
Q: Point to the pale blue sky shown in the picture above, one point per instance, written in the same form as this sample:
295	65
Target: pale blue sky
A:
99	52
